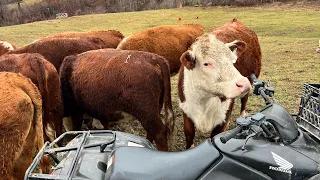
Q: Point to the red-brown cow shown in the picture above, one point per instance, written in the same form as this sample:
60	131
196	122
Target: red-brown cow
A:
46	78
111	38
6	47
167	41
21	133
56	49
249	62
102	82
208	85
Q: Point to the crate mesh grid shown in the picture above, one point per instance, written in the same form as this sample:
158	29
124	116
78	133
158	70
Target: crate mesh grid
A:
309	109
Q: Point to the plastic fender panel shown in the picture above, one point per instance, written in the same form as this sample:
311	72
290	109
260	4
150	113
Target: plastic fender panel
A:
229	169
276	160
282	120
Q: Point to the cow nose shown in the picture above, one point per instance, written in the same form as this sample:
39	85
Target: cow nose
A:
243	85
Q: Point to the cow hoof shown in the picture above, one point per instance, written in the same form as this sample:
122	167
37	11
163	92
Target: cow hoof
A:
243	114
96	124
192	146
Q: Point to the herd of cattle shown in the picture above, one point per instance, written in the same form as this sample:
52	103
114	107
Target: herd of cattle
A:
57	79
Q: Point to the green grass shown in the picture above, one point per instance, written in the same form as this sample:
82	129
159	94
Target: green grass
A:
288	36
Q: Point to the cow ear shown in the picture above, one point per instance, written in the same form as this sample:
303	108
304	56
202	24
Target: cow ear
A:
237	47
187	60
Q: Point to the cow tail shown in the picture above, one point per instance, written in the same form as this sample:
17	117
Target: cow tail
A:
65	72
170	120
48	124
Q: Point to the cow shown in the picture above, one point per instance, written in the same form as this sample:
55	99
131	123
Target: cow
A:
6	47
318	49
44	75
21	132
111	38
169	41
208	84
104	83
249	62
56	49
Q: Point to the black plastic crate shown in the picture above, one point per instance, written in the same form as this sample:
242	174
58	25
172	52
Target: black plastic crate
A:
309	109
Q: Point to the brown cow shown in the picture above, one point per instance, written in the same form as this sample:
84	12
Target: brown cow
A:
249	62
108	81
56	49
111	38
6	47
46	78
21	133
208	85
167	41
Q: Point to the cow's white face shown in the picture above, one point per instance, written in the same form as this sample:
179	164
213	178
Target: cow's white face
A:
6	45
210	64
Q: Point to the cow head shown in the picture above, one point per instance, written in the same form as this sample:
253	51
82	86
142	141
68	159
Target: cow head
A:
209	65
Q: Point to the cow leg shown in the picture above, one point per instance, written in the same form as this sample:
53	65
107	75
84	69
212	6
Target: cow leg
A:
77	118
244	101
106	125
222	127
156	130
150	137
189	130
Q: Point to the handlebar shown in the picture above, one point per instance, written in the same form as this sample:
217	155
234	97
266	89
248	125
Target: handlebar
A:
230	134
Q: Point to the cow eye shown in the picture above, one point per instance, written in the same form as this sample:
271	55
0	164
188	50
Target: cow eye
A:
205	64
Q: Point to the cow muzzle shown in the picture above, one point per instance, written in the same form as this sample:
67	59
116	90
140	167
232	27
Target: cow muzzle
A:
243	86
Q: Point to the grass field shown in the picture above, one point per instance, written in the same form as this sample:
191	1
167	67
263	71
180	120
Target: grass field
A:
288	35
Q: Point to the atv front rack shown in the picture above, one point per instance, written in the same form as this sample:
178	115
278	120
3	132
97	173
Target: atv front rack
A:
49	150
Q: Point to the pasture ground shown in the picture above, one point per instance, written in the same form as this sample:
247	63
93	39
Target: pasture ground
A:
288	35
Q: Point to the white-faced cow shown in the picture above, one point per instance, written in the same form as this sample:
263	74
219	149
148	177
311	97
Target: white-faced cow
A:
6	47
168	41
208	83
21	133
108	81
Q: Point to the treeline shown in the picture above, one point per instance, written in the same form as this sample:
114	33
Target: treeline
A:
47	9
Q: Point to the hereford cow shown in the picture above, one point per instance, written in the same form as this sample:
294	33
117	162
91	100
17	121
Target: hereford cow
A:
6	47
167	41
46	78
21	133
111	38
209	83
249	62
109	81
56	49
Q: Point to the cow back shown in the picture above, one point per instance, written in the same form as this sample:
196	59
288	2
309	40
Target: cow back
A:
168	41
110	38
56	49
